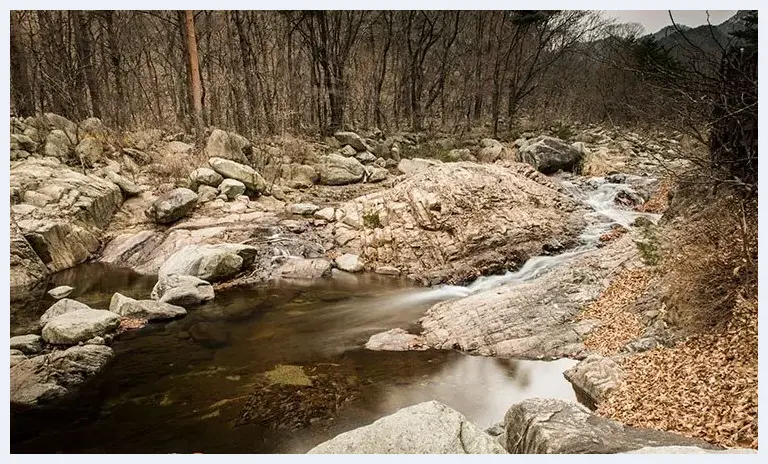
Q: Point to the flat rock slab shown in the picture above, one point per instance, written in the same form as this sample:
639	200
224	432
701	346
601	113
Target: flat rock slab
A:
426	428
79	326
150	310
550	426
60	292
27	344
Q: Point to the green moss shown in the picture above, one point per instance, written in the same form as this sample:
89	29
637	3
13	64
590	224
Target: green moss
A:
287	374
371	220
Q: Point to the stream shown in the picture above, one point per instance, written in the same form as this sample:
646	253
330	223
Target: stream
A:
280	368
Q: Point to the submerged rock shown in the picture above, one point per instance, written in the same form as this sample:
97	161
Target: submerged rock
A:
550	426
150	310
426	428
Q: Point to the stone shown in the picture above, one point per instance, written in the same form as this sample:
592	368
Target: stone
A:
335	169
414	165
150	310
302	209
551	426
182	290
549	155
179	147
26	267
351	139
593	378
301	268
62	306
22	142
89	150
206	193
228	146
387	270
17	357
245	174
27	344
327	214
300	176
232	188
297	227
126	186
366	157
58	145
349	263
41	379
173	206
347	150
206	176
459	154
376	174
395	340
425	428
491	151
79	326
209	262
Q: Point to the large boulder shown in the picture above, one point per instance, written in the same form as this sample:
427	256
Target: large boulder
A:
89	150
209	262
426	428
70	210
58	145
229	146
182	290
593	378
300	268
206	176
349	263
173	205
490	151
128	187
414	165
26	267
351	139
41	379
551	426
231	188
549	155
62	306
150	310
338	170
79	326
300	176
245	174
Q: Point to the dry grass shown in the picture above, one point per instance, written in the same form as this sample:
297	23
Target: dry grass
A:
618	324
704	387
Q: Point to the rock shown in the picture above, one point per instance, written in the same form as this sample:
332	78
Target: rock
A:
150	310
366	157
173	206
491	151
66	228
41	379
593	378
206	193
411	166
182	290
26	267
209	262
54	121
232	188
459	154
89	150
351	139
387	270
126	186
79	326
300	176
17	357
302	209
549	155
58	145
297	227
348	151
62	306
395	340
349	262
245	174
376	174
206	176
301	268
550	426
27	344
180	147
327	214
337	170
22	142
228	146
425	428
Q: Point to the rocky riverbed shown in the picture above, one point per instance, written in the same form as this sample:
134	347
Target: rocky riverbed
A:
261	290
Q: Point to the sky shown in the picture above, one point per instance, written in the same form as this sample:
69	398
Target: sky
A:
653	20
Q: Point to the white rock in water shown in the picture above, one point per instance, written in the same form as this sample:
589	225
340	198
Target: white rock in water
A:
79	326
426	428
349	262
60	292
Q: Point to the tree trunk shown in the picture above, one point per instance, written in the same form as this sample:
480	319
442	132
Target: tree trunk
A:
193	66
84	55
21	92
114	56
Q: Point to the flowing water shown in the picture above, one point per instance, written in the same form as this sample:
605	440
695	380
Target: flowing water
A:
280	367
